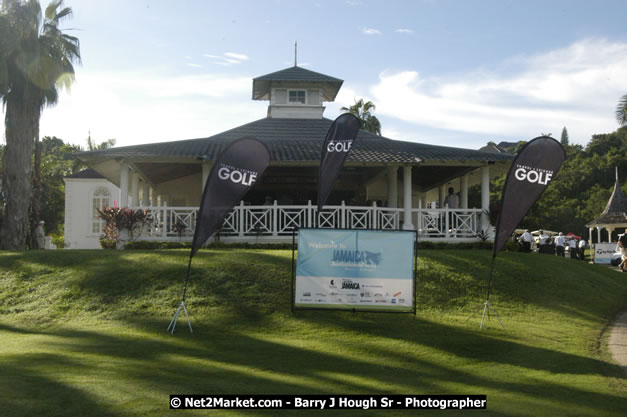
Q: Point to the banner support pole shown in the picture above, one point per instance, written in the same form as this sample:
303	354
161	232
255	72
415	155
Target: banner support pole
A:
487	308
182	305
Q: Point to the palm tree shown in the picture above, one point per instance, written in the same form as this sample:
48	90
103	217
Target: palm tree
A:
621	111
36	60
93	146
363	111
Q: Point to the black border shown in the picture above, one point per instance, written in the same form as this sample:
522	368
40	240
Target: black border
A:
354	310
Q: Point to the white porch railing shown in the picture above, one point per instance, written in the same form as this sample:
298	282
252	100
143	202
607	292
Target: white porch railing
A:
275	222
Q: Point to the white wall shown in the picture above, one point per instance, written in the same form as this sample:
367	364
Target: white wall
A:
78	211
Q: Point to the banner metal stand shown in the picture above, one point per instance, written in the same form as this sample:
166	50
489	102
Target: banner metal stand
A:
486	305
182	305
176	316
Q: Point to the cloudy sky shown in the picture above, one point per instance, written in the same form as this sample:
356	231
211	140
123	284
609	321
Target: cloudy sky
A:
457	73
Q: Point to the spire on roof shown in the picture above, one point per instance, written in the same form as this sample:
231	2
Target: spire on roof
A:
295	53
616	209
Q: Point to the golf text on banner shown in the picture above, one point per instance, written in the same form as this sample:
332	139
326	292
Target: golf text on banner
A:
355	270
535	166
337	144
232	175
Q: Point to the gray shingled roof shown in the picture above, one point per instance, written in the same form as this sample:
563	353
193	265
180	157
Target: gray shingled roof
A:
297	140
293	77
298	74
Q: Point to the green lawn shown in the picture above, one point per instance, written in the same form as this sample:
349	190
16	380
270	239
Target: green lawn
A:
83	333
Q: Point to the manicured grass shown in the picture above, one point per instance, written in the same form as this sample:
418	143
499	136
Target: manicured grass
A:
83	333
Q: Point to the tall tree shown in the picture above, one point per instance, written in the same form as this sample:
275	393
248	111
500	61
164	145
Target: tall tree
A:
564	138
36	60
621	111
363	110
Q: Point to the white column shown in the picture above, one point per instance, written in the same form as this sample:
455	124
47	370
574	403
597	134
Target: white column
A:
206	168
598	234
145	194
609	234
123	184
407	225
590	235
464	186
485	198
393	187
134	188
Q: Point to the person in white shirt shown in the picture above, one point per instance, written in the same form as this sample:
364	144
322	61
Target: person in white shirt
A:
525	240
582	249
451	199
544	243
572	248
559	244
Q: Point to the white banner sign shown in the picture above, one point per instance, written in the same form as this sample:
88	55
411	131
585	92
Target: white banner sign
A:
355	270
603	252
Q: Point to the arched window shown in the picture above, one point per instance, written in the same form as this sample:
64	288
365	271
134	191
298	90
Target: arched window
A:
100	199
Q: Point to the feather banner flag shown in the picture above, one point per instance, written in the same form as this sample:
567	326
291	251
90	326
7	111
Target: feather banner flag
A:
335	149
533	169
234	172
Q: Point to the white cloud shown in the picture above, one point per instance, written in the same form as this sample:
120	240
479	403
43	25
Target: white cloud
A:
370	31
404	31
193	65
577	87
227	59
146	107
239	57
354	2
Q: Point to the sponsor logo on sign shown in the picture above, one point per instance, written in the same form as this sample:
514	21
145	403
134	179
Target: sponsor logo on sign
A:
533	175
237	175
320	300
306	294
332	284
378	295
306	299
333	294
351	295
321	294
381	301
397	294
366	294
365	301
393	300
401	300
347	284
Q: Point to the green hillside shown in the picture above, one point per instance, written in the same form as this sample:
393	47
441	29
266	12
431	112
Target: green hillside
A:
83	333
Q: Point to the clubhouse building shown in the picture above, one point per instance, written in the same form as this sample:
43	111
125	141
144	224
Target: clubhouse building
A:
385	183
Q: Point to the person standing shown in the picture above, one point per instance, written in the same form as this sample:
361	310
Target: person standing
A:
526	240
572	248
559	244
40	235
622	246
452	202
544	247
582	249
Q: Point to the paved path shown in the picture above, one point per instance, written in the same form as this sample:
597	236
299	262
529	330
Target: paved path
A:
618	340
